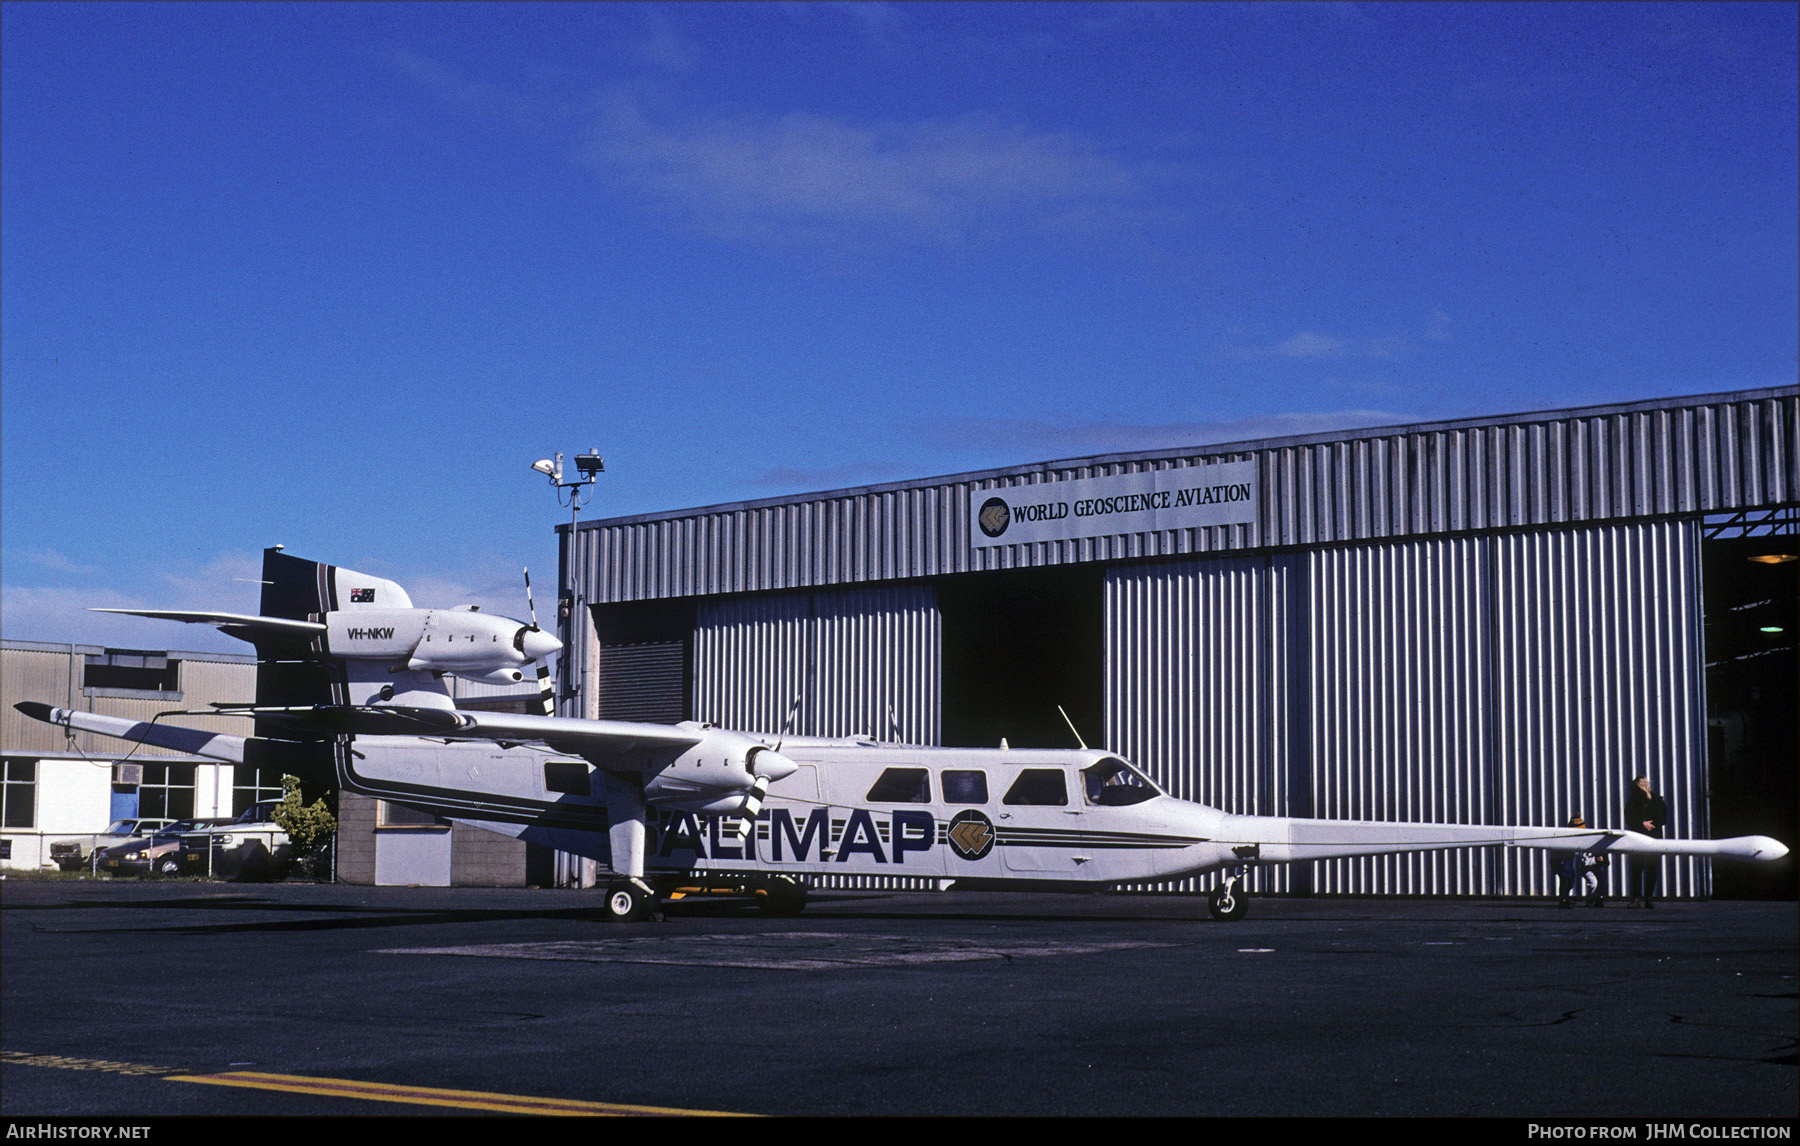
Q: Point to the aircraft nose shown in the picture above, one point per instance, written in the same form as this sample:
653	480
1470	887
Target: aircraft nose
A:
536	644
772	765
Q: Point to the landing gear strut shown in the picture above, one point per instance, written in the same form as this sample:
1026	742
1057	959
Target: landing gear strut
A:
1229	901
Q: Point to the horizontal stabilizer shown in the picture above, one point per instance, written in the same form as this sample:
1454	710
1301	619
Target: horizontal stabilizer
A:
234	620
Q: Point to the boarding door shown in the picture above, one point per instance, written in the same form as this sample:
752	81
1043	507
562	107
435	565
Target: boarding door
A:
1040	822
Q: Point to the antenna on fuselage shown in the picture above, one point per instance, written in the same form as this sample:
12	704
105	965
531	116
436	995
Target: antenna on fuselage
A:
1071	725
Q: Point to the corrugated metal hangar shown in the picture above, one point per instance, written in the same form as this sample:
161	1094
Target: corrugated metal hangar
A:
1496	620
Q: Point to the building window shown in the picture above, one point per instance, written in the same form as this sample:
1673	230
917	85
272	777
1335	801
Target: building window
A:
167	792
134	672
18	796
253	785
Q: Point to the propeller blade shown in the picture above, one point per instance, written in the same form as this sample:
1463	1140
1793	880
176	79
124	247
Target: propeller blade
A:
752	808
546	691
787	726
532	607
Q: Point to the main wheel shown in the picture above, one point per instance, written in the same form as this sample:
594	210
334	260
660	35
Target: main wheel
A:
627	902
168	865
1228	903
782	895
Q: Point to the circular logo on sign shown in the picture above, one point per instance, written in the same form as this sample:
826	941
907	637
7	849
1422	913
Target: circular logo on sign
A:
971	834
994	517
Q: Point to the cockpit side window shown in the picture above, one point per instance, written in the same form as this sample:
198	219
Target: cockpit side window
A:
901	786
964	787
1042	787
1112	783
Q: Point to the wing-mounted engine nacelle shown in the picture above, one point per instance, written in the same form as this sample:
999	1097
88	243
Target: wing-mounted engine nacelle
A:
726	774
463	642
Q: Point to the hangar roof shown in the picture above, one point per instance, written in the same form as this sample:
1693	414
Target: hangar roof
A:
1666	457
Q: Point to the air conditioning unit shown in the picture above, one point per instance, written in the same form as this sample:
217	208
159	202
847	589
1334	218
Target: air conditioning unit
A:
128	775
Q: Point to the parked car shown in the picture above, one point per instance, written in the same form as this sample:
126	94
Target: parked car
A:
153	854
252	846
75	855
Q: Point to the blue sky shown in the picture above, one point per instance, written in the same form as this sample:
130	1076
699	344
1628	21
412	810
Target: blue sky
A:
333	276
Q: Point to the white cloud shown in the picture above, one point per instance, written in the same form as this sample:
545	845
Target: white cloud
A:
453	88
753	173
1042	440
52	560
1307	344
828	477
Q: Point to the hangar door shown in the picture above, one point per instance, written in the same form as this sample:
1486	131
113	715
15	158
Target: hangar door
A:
1510	679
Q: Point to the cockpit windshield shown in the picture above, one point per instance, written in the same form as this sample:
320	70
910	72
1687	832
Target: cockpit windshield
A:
1112	783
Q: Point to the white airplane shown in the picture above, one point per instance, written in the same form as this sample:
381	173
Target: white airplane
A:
350	691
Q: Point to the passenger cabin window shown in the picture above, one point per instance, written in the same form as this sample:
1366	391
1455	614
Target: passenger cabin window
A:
1113	784
901	786
963	787
569	777
1043	787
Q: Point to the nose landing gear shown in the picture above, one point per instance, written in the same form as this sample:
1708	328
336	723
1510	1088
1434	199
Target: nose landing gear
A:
1229	901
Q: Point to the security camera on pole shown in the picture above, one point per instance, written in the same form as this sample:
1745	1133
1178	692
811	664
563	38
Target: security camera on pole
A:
588	465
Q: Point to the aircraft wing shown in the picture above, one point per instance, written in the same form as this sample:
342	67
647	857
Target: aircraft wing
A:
235	620
569	734
1280	839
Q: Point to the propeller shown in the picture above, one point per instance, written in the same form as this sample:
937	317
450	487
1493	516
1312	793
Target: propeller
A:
778	767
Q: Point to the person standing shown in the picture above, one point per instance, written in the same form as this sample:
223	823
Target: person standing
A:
1645	812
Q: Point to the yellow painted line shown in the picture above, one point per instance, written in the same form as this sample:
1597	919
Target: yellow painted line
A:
430	1095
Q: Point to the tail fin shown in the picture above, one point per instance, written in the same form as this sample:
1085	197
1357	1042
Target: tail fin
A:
293	671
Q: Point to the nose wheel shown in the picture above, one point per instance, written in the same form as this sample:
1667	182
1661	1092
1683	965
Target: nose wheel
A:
628	901
1229	901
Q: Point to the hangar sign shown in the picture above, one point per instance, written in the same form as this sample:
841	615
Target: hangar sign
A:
1220	494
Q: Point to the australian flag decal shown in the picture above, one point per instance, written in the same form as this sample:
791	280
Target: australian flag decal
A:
362	596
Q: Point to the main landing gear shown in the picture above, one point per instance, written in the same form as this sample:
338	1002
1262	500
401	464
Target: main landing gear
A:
630	900
1229	901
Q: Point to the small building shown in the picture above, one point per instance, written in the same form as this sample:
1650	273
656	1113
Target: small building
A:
61	786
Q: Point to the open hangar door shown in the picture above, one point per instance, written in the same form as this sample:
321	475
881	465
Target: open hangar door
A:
1017	644
1751	588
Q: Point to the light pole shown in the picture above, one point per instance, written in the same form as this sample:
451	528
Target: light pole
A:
578	495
